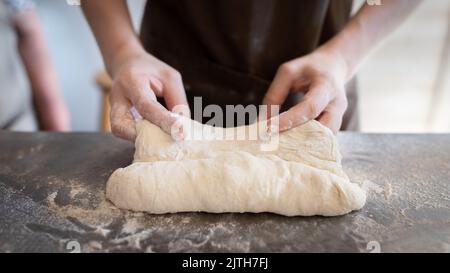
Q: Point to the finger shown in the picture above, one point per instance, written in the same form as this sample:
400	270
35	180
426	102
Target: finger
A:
332	115
122	122
312	105
174	94
279	88
157	86
331	120
145	102
266	111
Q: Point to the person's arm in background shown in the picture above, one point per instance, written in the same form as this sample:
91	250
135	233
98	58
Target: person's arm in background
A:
323	73
49	105
138	77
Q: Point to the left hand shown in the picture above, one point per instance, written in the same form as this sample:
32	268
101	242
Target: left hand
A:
321	75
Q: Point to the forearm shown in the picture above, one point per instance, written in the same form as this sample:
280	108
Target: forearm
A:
49	105
367	29
36	57
113	30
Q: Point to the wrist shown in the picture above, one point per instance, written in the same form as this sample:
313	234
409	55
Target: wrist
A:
350	45
339	63
123	54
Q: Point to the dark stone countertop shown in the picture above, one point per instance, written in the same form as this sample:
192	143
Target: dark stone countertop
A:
52	199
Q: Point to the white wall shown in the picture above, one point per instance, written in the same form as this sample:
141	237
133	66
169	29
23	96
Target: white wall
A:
399	80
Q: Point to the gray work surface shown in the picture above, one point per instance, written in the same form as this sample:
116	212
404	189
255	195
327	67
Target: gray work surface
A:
52	200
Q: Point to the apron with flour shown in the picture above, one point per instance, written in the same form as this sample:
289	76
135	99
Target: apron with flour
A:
228	51
16	111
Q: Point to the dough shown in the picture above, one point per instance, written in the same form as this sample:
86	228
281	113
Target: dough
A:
301	176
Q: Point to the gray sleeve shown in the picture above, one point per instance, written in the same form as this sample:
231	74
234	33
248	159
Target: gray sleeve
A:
15	6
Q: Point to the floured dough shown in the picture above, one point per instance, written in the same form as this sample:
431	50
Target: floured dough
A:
300	175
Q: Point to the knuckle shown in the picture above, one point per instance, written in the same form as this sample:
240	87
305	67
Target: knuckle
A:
125	85
120	125
312	108
122	131
342	102
117	129
271	98
287	68
142	104
171	75
127	75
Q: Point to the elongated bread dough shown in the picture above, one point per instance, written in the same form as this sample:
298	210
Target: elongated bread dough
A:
302	175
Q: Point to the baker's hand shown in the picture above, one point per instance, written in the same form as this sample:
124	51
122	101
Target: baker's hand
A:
321	75
139	79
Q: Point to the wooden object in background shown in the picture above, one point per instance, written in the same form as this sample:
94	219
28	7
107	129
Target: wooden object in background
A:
104	82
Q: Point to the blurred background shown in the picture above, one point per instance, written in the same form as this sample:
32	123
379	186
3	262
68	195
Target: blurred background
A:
404	85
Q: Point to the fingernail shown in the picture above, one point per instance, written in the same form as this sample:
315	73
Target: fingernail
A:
176	131
286	126
274	129
304	120
181	110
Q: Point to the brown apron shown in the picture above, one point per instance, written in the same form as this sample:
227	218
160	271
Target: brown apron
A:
228	51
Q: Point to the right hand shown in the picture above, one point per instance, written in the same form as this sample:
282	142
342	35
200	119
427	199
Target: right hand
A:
137	81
